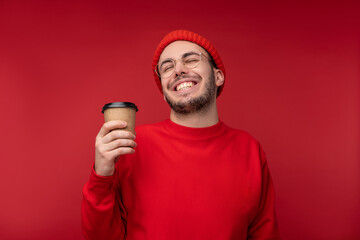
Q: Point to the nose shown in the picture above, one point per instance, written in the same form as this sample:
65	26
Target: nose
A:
180	68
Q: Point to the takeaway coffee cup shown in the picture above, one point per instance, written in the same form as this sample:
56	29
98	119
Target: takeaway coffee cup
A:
124	111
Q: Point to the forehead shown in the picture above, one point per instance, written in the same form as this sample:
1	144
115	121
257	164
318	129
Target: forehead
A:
178	48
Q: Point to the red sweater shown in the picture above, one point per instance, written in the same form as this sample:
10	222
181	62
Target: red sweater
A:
184	183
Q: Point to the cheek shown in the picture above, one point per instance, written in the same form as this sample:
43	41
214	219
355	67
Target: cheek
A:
164	84
204	72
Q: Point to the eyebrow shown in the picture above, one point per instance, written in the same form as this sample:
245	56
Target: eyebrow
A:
189	53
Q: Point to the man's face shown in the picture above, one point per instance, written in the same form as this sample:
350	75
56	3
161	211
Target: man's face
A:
188	90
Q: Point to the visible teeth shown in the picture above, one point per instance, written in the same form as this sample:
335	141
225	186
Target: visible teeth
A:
184	85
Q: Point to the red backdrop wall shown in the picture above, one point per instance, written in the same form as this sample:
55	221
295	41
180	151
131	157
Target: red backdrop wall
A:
292	82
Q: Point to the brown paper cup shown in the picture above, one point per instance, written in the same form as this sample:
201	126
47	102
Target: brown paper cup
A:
124	111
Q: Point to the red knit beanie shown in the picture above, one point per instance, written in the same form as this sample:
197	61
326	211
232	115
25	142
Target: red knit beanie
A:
191	37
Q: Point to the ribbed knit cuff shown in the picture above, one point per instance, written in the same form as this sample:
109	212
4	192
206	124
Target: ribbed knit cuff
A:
99	188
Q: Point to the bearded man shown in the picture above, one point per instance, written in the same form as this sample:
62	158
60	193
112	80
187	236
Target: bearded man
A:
188	177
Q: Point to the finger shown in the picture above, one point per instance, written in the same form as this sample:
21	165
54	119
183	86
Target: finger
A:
119	143
122	151
117	134
111	125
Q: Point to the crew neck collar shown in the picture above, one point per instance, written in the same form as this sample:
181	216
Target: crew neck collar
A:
194	133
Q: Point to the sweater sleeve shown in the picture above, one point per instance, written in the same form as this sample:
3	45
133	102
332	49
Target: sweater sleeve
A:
265	226
102	214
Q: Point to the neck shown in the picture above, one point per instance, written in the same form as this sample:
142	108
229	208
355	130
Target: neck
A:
198	119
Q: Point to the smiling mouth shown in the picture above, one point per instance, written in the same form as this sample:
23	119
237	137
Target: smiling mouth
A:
184	85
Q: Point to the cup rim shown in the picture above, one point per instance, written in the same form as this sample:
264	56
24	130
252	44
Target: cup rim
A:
119	105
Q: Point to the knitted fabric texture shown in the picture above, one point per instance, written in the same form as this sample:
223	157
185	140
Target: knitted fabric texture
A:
191	37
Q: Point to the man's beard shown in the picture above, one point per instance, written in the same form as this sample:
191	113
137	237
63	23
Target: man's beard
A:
197	104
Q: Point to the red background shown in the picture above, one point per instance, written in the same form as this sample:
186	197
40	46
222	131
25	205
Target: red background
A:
292	82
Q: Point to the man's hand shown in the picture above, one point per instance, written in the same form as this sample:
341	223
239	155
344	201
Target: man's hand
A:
111	142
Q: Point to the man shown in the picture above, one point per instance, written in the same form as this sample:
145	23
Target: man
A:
188	177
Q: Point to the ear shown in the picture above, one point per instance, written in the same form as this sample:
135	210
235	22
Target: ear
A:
219	77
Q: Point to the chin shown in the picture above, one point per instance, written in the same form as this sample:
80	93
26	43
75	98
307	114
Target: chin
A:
190	104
